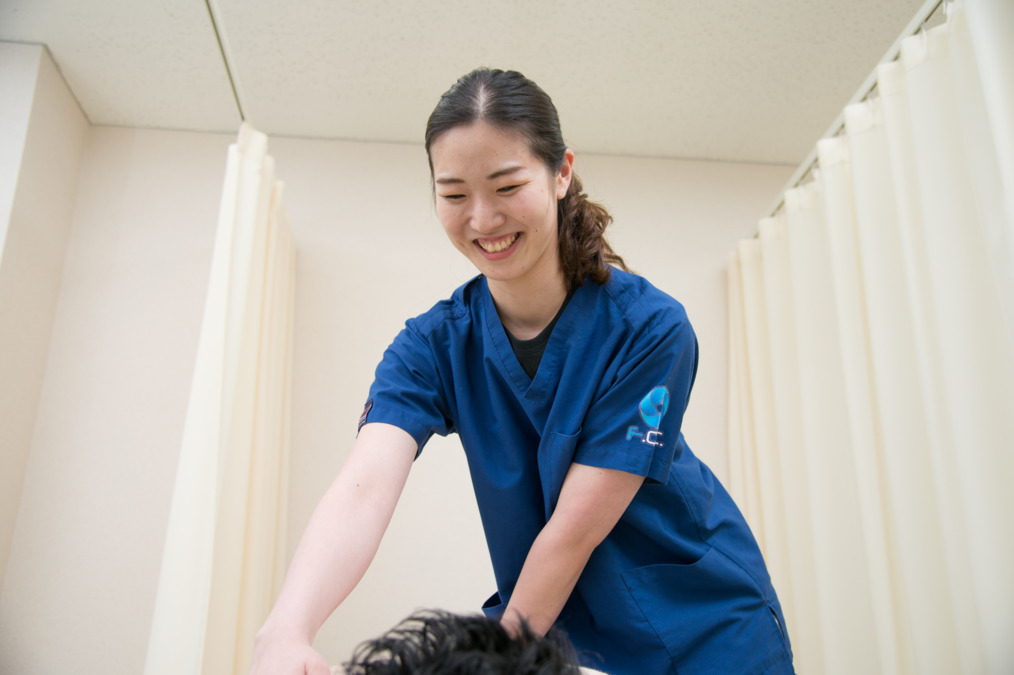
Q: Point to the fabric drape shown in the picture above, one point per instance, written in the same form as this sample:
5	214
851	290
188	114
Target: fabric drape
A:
224	552
879	302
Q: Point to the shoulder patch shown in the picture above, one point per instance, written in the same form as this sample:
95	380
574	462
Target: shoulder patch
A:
366	412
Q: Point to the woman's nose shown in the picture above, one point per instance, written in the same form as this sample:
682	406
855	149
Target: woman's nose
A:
485	216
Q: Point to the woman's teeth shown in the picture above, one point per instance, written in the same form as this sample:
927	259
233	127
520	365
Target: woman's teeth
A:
497	246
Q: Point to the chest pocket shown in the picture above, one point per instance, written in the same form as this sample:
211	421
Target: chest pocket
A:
556	453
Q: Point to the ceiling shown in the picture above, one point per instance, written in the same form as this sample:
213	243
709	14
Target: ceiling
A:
730	80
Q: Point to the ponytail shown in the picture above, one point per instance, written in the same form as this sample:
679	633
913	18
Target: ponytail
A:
584	251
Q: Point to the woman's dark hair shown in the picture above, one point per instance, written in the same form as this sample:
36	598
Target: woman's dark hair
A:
508	100
441	643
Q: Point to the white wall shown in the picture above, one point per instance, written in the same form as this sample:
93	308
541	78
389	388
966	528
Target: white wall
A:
19	71
42	133
80	585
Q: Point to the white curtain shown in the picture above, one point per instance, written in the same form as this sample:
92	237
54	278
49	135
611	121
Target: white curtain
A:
872	369
224	552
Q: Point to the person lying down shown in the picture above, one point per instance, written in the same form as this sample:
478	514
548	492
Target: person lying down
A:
432	642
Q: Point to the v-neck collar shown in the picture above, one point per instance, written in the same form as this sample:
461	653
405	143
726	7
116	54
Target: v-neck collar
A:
552	357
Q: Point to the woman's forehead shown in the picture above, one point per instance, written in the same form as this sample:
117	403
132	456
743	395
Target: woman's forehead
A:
479	150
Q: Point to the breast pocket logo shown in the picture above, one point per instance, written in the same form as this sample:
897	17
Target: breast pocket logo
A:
652	408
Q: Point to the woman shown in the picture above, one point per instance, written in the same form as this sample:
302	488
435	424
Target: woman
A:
566	380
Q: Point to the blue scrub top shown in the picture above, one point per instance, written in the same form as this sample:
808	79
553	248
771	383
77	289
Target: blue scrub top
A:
679	585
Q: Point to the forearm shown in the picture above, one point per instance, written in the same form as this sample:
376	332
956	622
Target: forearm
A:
343	534
590	504
550	572
331	559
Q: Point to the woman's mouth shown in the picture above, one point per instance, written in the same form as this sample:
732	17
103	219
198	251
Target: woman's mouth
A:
497	245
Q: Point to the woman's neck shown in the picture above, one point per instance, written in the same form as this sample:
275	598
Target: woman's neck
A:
526	309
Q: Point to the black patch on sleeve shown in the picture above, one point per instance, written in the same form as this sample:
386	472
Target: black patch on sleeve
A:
366	412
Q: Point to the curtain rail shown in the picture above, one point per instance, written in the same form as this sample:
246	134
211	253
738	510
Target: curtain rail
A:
225	58
921	18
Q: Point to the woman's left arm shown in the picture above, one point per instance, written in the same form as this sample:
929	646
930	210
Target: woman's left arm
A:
590	504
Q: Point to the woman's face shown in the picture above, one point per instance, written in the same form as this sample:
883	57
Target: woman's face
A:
497	202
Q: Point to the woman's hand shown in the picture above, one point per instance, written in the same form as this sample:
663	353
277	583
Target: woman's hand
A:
281	655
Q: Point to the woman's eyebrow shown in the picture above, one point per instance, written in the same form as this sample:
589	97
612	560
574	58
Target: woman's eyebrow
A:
504	171
499	173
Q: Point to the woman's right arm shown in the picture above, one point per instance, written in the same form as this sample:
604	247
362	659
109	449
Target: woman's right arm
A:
339	543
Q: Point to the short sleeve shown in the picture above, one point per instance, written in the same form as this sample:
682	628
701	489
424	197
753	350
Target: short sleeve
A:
407	391
634	426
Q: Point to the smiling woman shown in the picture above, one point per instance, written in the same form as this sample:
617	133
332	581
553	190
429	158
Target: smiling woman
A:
497	204
566	378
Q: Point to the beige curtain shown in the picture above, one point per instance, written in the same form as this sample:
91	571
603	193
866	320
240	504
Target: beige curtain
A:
879	421
224	551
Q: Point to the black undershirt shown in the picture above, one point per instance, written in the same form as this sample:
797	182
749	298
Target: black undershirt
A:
529	352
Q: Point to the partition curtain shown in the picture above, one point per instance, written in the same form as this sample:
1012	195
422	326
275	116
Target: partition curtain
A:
872	369
224	551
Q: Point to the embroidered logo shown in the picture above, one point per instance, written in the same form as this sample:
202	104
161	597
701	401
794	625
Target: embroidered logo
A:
652	408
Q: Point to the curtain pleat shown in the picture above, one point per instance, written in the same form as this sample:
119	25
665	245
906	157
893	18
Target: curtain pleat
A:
226	525
897	110
798	594
745	483
988	35
846	612
918	575
769	493
850	302
265	507
977	368
885	286
737	420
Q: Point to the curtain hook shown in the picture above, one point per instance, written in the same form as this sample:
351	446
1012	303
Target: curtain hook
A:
873	94
813	174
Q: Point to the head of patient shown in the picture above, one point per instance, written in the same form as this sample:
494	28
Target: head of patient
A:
432	642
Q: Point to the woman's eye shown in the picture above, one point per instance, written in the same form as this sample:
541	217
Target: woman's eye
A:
507	189
452	198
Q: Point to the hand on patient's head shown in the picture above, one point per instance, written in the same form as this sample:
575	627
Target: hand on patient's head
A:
433	642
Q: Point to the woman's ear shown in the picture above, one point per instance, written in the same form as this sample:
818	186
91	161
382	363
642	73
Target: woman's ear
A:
565	174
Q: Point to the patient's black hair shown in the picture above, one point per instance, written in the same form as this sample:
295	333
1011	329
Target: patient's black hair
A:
433	642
